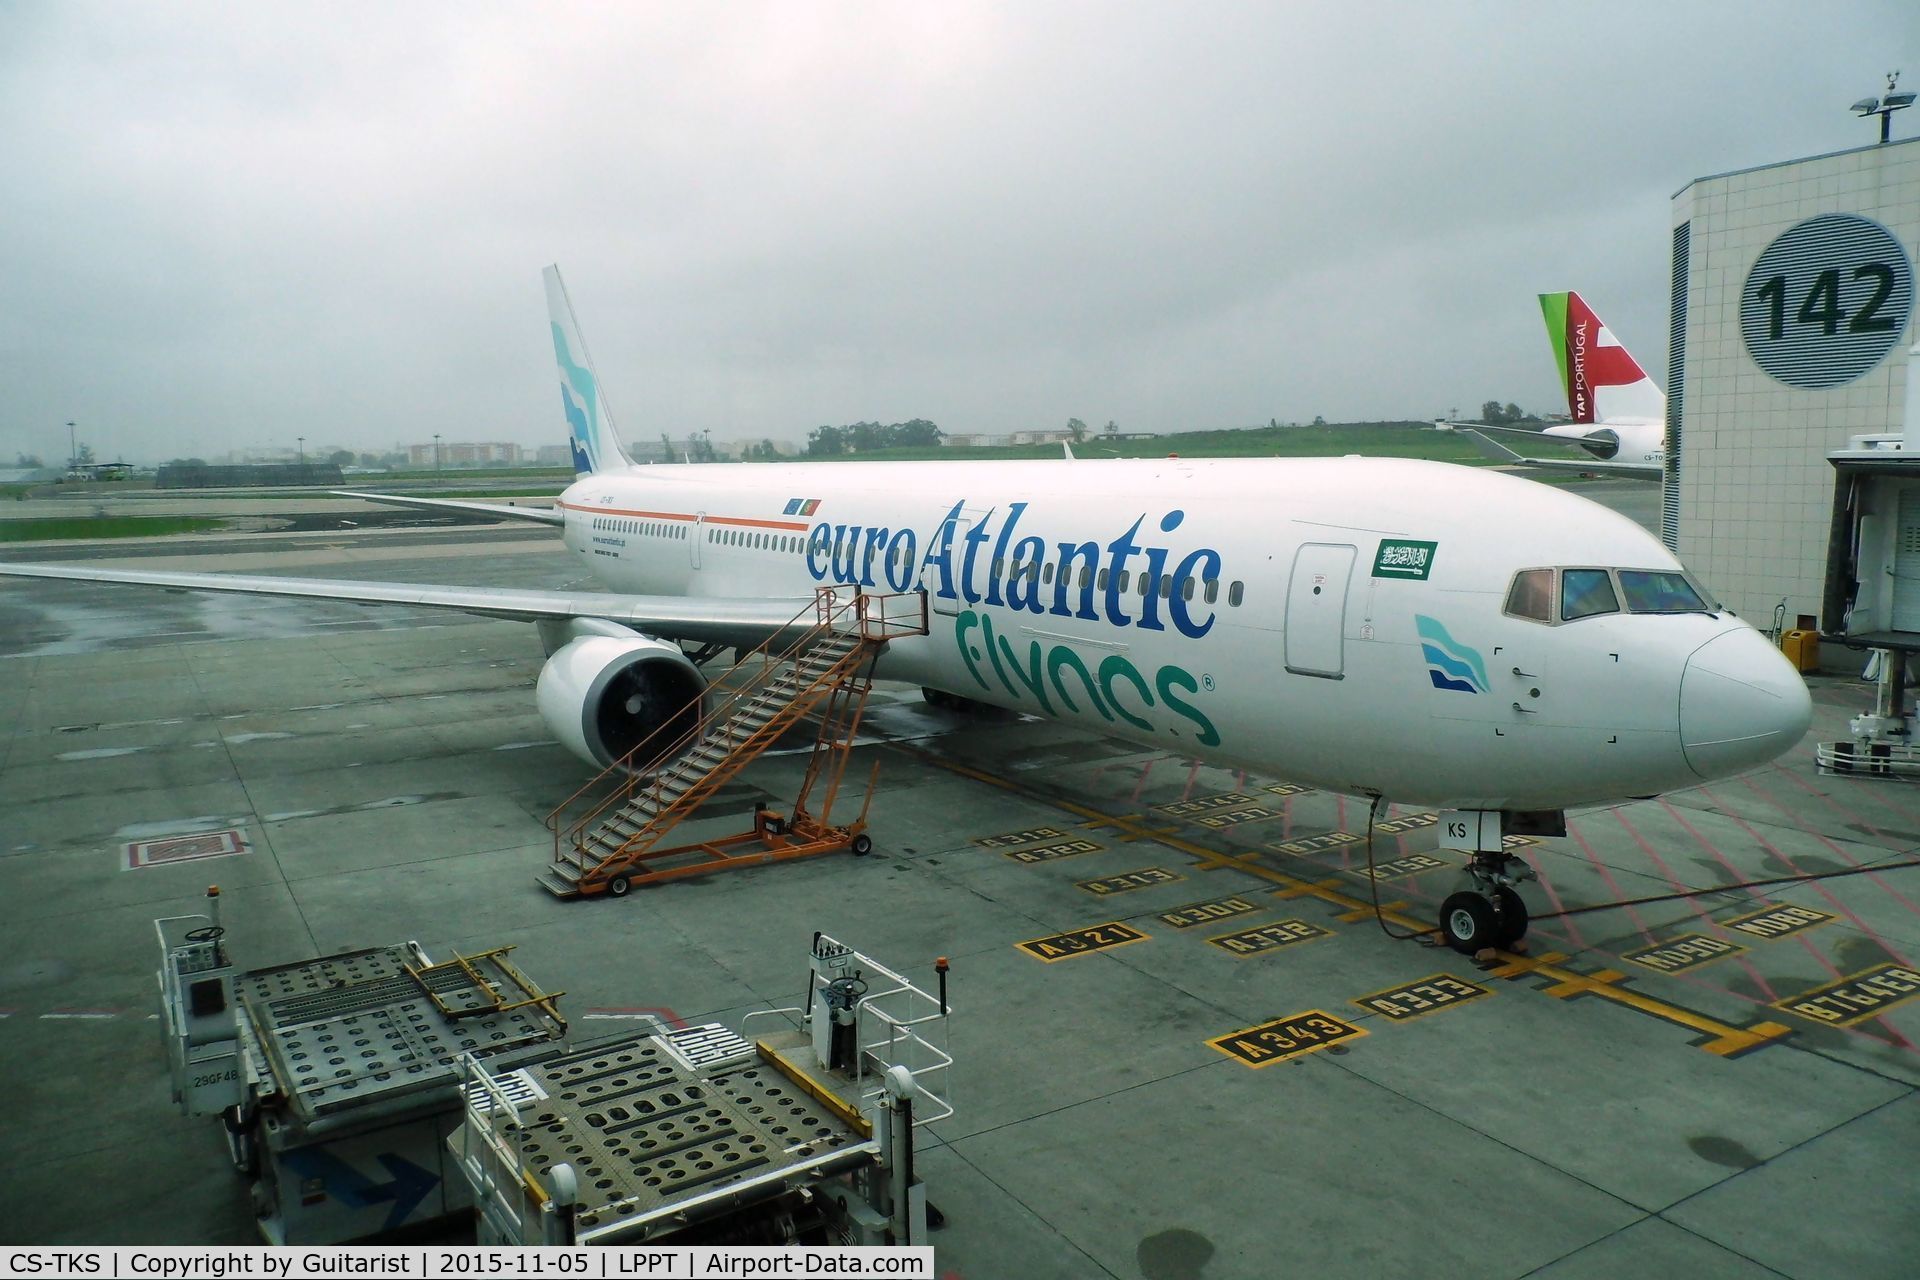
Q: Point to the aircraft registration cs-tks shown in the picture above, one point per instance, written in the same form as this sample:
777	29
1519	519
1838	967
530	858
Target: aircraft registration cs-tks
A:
1427	633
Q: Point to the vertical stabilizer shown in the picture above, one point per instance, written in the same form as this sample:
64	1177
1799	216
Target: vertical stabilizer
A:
589	420
1602	380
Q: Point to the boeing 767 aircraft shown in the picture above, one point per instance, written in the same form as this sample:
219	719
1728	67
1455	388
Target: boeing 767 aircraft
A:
1415	631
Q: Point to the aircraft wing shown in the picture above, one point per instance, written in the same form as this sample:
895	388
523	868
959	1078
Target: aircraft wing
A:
728	621
1587	466
538	515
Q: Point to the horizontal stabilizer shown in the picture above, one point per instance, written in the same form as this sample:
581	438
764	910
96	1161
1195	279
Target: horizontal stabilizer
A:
1478	433
537	515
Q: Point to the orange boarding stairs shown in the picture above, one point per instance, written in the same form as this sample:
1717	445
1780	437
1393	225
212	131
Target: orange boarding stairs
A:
608	837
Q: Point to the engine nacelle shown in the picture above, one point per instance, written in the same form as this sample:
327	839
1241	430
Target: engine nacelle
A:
1603	443
602	696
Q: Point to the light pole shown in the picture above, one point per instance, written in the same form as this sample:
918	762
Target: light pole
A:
73	449
302	440
1885	106
436	458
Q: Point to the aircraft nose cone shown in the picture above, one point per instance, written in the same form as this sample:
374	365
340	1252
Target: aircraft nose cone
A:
1741	704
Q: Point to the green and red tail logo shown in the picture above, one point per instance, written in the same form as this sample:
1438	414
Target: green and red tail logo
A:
1601	379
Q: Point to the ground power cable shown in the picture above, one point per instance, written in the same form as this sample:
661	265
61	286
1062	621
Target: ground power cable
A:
1426	936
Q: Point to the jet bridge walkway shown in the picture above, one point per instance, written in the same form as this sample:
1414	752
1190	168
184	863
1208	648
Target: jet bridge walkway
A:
609	836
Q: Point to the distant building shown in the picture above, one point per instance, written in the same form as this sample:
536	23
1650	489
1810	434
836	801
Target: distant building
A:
183	476
553	455
460	453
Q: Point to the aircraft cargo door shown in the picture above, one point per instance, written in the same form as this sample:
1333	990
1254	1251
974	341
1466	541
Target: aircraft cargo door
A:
1317	609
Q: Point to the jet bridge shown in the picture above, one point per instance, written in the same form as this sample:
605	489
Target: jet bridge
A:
701	1136
1872	598
338	1079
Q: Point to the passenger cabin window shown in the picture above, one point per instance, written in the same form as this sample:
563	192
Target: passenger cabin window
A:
1531	595
1234	593
1649	591
1586	592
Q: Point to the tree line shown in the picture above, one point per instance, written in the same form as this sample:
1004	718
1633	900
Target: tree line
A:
862	437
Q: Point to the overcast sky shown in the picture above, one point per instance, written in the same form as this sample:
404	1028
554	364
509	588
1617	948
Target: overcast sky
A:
228	226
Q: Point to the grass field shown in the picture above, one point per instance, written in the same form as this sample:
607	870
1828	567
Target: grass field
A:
1374	439
48	530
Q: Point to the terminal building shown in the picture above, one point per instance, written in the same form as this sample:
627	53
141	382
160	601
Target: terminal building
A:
1793	295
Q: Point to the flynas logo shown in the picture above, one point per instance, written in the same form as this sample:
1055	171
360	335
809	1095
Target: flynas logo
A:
581	400
1450	664
999	584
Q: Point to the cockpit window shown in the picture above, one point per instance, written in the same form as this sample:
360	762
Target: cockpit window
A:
1585	592
1531	595
1648	591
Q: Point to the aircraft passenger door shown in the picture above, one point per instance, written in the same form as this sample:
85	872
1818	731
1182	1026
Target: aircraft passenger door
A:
695	536
1317	610
955	531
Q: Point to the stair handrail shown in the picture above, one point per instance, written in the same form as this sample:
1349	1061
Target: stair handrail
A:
826	608
705	781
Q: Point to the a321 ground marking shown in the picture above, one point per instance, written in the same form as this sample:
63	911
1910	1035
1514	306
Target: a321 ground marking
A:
1081	942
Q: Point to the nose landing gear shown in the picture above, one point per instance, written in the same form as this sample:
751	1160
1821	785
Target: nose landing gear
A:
1491	914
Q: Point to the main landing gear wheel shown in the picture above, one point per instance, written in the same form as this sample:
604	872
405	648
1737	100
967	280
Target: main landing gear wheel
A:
862	845
618	886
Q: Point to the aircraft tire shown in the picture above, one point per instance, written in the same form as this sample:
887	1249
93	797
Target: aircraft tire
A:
862	845
618	886
1469	923
1513	916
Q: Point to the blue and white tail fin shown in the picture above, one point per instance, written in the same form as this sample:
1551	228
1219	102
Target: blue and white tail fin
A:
590	421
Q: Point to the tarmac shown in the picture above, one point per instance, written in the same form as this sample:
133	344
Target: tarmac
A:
1258	1081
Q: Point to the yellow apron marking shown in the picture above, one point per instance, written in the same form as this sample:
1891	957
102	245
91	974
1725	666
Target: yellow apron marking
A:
1717	1037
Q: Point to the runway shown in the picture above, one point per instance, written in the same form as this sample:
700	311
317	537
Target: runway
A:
1186	1047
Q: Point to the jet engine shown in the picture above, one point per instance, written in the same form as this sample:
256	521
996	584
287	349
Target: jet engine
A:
1603	443
604	695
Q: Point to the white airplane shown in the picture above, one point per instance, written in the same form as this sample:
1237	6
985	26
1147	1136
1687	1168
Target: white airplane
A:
1618	416
1427	633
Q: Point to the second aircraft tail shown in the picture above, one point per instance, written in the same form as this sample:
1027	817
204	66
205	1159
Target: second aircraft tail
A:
1602	381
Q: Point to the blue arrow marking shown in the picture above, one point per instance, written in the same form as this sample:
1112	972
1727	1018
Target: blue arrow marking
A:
409	1183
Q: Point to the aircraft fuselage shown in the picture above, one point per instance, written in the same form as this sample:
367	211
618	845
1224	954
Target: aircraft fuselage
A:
1339	622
